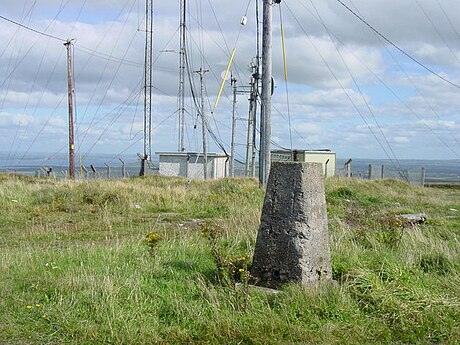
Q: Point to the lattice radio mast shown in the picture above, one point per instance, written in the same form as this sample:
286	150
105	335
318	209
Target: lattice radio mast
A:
148	86
182	57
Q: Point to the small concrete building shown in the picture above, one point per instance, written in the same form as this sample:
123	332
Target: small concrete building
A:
190	165
326	157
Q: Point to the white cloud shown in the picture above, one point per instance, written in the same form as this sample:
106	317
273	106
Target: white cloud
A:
7	120
321	81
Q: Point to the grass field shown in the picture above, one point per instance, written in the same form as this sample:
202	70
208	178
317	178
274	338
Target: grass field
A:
76	267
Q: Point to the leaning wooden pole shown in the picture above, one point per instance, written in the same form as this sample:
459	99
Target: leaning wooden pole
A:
70	88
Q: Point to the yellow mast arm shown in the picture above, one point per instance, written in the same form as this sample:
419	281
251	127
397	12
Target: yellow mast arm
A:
225	78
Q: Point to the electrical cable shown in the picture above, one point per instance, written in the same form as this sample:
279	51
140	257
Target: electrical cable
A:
33	30
100	55
55	66
398	48
111	81
390	89
358	88
437	31
24	16
130	99
339	82
285	75
419	92
61	8
87	62
448	19
231	59
42	128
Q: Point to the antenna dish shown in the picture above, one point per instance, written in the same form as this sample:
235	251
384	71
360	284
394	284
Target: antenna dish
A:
225	75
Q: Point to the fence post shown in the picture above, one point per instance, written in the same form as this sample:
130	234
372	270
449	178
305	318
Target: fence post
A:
423	177
48	171
382	172
370	171
93	168
123	170
348	168
82	167
108	170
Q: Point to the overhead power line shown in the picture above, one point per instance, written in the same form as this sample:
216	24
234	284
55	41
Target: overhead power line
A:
357	87
421	64
33	30
346	92
393	92
92	52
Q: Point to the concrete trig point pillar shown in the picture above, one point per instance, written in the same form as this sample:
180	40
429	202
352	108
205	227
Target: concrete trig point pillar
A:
293	240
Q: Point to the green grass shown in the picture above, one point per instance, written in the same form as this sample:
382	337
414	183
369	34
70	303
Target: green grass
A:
75	267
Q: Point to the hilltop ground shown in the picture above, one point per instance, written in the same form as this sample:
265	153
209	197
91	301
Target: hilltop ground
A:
76	266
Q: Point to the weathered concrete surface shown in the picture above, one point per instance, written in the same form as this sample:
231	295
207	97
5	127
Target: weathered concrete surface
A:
293	240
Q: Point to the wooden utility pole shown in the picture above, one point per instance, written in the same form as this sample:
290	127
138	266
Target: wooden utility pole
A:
201	73
232	149
266	96
182	57
70	87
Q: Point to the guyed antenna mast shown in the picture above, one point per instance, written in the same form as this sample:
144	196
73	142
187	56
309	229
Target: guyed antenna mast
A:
182	57
148	86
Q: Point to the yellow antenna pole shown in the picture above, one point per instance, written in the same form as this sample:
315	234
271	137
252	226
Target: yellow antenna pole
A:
225	78
284	53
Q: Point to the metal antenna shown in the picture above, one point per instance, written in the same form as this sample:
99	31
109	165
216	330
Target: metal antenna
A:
181	145
257	95
148	86
232	150
201	73
250	145
266	97
250	168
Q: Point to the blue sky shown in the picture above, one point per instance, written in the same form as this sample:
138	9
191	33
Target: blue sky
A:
348	90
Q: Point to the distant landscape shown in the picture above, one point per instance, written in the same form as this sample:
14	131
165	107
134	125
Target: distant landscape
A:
436	170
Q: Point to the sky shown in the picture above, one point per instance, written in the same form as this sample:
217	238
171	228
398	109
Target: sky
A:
394	96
